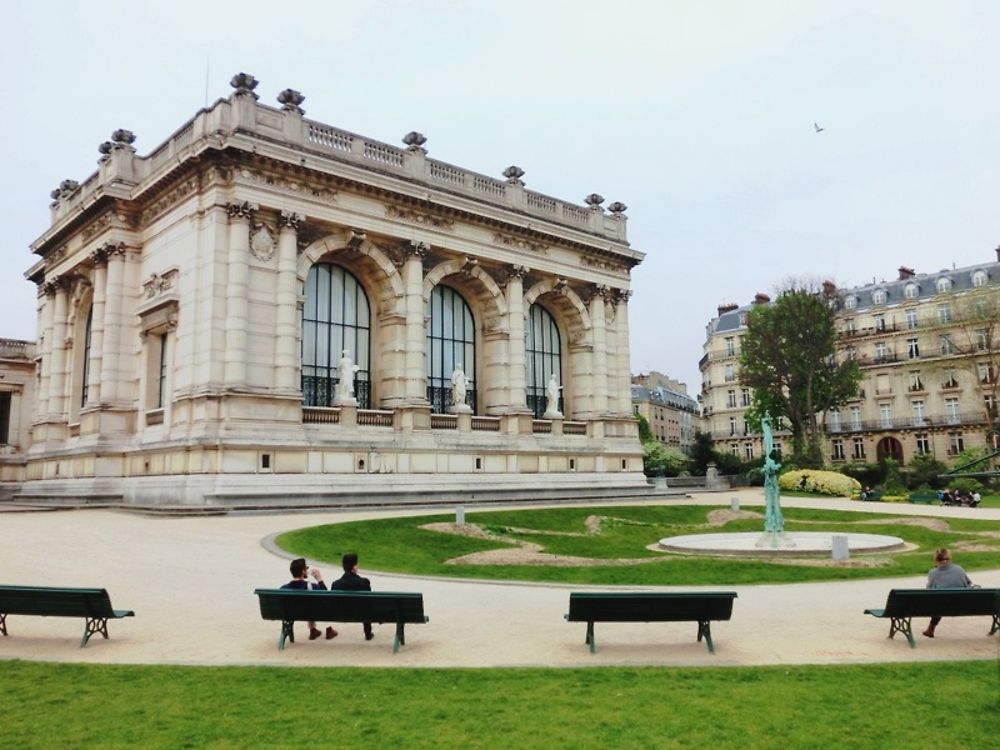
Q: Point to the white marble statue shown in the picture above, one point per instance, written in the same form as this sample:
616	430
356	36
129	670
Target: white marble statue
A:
345	379
552	389
459	389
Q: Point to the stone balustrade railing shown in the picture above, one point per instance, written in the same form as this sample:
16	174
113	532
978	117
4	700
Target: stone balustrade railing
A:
16	349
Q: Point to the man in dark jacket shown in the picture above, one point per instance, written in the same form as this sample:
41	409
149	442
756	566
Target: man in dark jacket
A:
300	580
351	581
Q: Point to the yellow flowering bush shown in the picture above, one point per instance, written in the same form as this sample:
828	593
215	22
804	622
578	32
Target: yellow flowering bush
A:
819	482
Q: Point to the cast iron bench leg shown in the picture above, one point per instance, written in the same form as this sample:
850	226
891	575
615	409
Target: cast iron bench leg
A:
995	628
589	640
902	625
286	632
3	622
705	629
94	625
400	639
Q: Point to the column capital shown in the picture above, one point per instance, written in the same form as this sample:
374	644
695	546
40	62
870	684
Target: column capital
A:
416	248
598	290
241	210
621	296
289	220
514	271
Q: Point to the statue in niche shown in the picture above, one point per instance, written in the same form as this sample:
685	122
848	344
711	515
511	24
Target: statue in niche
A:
459	391
345	379
552	389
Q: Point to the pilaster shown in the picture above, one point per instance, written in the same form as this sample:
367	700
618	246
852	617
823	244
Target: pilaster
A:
237	288
413	278
599	363
286	330
517	389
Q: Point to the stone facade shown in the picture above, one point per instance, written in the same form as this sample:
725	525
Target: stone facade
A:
198	308
673	415
928	346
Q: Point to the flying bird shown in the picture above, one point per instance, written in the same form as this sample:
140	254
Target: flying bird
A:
818	128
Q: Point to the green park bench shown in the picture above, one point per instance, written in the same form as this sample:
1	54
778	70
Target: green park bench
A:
296	605
926	497
94	605
700	607
904	604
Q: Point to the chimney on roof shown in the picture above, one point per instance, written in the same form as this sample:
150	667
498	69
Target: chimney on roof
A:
906	273
727	307
761	299
998	253
829	289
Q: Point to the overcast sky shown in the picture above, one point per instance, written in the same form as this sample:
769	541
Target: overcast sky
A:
698	115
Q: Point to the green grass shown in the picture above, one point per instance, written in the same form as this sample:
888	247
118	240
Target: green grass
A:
400	545
948	705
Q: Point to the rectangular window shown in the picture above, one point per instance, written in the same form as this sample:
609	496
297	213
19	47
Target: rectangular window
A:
161	380
913	348
944	313
731	398
859	448
879	322
730	347
885	415
838	450
956	443
946	344
918	413
923	444
951	411
734	449
834	420
911	318
732	426
748	451
950	381
852	354
916	384
849	326
882	385
880	351
746	397
730	373
985	372
856	417
990	402
4	418
982	340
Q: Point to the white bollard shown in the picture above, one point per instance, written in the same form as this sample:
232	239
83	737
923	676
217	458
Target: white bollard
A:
734	505
460	515
838	545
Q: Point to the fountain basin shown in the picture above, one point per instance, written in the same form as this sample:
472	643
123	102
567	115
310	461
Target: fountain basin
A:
794	543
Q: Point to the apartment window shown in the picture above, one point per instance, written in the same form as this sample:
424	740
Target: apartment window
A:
746	397
885	415
916	384
734	449
856	417
978	278
911	290
851	354
911	318
879	322
730	399
913	348
732	426
850	302
990	402
985	372
880	351
944	313
950	381
951	412
947	346
859	448
748	451
838	450
834	420
849	326
956	443
982	339
923	444
730	347
943	284
882	385
879	296
730	373
918	413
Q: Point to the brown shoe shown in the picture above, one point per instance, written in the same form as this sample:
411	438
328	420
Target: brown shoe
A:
330	633
929	633
314	633
369	636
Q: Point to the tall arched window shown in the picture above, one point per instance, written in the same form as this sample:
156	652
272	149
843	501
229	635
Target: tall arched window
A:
543	357
451	341
85	369
335	318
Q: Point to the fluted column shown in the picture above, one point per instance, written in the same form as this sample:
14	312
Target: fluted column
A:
114	300
237	288
600	354
286	325
46	333
57	381
516	365
413	277
624	370
99	258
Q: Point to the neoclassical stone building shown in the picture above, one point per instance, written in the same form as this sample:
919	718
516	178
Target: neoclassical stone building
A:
200	307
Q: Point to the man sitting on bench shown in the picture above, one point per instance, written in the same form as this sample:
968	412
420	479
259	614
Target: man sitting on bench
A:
300	580
351	581
944	575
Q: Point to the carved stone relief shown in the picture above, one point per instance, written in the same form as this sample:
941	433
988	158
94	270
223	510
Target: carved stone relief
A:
518	243
262	244
157	284
419	217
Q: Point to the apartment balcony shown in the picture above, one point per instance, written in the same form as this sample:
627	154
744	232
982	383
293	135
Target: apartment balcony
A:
909	423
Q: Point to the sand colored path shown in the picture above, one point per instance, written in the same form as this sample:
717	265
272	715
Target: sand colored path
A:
190	581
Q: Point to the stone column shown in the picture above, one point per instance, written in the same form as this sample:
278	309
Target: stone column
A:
57	381
237	288
624	370
99	259
114	285
599	359
285	356
517	398
413	278
45	332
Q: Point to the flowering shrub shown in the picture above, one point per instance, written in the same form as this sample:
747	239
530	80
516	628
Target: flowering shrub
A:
819	482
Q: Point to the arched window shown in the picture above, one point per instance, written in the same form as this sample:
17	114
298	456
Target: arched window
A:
543	356
943	284
979	278
85	369
451	341
910	291
850	302
879	296
335	318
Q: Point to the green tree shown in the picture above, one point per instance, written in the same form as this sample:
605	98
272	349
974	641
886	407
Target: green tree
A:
788	361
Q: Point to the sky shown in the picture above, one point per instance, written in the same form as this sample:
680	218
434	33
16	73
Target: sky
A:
698	114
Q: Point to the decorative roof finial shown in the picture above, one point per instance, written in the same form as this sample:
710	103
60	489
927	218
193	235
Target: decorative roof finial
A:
617	208
122	137
291	100
415	141
244	83
594	200
513	173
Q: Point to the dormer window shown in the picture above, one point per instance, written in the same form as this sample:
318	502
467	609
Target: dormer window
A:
910	291
879	296
850	302
943	285
979	278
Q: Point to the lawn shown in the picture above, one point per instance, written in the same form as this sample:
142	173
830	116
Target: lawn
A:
951	705
401	545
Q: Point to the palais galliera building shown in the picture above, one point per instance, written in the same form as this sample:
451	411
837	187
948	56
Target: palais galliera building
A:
201	307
